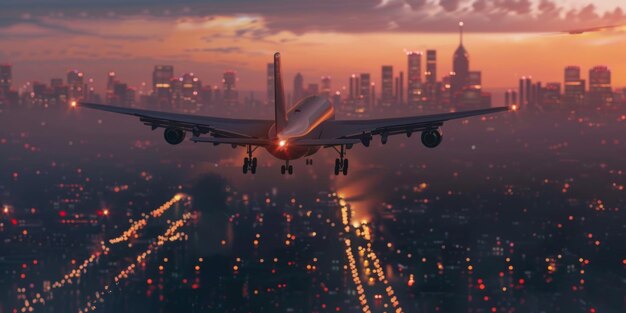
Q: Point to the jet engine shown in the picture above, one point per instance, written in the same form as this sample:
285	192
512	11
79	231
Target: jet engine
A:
174	135
431	138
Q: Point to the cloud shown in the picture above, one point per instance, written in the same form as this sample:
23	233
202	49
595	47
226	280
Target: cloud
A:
298	17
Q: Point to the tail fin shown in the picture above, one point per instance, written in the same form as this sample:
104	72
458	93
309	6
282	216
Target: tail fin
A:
279	94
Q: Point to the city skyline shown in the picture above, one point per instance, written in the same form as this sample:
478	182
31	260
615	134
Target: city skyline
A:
129	40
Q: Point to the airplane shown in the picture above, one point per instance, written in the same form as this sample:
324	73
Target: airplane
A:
295	133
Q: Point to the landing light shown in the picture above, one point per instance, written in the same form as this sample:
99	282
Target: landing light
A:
282	143
73	104
514	107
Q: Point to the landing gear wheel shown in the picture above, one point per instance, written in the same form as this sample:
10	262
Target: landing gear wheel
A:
345	167
283	169
290	169
337	166
253	166
246	165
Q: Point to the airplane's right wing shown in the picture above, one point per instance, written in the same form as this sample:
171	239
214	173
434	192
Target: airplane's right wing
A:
336	129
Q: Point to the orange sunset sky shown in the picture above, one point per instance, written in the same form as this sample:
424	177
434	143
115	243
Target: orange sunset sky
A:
506	39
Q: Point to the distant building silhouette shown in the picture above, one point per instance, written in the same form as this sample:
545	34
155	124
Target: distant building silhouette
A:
600	89
574	86
230	94
162	85
414	77
460	66
387	95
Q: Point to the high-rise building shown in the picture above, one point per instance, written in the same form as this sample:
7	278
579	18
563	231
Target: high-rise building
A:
600	90
387	86
414	77
400	88
365	91
271	98
325	82
162	77
475	80
230	93
76	84
355	88
6	79
574	86
298	88
525	93
190	89
431	67
551	95
460	66
510	98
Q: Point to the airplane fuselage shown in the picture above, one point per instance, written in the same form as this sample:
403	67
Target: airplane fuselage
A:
302	121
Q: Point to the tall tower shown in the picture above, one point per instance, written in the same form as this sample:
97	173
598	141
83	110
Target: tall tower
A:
298	88
460	65
387	85
574	86
231	95
600	89
431	67
325	82
365	90
270	84
414	77
161	84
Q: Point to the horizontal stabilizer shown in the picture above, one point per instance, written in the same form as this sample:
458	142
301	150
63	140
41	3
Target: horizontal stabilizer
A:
324	142
234	141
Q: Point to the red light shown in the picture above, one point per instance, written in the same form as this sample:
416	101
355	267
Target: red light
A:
149	281
521	281
62	213
482	286
13	221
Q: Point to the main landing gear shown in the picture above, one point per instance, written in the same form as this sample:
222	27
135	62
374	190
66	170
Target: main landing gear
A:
286	168
341	164
250	163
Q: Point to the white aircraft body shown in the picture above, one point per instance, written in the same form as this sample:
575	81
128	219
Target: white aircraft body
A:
299	132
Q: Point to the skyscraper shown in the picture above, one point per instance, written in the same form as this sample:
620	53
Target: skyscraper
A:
460	65
76	84
365	85
298	88
387	85
325	82
355	88
414	77
600	90
431	67
270	84
229	82
574	86
6	79
161	84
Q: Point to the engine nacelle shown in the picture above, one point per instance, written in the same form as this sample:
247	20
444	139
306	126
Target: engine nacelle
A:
431	138
174	135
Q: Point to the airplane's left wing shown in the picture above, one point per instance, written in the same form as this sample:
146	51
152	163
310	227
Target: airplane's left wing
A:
392	126
197	124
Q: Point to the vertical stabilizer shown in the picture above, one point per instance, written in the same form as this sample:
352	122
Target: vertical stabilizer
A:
279	94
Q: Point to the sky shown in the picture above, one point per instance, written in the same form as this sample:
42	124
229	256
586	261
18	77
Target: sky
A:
506	39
